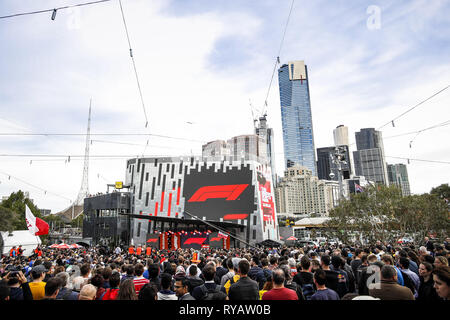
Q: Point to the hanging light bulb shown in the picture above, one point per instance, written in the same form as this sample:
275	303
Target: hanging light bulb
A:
54	14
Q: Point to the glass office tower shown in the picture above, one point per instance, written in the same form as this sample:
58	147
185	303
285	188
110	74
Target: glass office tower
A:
298	137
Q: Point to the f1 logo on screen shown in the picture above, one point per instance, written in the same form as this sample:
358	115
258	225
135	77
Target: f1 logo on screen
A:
230	192
220	193
195	240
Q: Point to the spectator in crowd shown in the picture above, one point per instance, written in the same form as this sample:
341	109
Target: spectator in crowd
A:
182	289
113	290
441	278
139	280
165	293
440	261
404	267
389	289
256	273
332	276
127	291
65	293
245	288
52	288
323	293
279	291
289	283
427	292
148	292
83	278
37	286
88	292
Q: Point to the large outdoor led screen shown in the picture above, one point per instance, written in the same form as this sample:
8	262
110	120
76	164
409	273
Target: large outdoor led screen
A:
228	195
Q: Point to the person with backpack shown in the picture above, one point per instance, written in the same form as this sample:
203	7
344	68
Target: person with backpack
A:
209	290
289	284
304	278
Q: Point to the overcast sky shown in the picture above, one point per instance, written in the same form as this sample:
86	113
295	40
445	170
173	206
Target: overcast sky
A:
199	64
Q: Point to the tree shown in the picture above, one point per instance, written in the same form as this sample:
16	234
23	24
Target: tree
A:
382	213
16	203
442	191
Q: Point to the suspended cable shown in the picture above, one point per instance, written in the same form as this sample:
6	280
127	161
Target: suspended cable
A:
98	134
277	61
53	10
410	109
134	63
32	185
430	161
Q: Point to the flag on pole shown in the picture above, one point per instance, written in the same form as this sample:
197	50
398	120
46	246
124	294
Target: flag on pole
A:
222	235
36	226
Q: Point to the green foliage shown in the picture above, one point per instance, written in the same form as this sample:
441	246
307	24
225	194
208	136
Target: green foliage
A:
442	191
15	205
381	213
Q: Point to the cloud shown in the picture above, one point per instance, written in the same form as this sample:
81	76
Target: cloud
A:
201	62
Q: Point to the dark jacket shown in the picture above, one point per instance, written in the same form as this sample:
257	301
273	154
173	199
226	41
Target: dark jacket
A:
15	293
304	277
197	292
391	290
194	282
295	287
257	274
332	280
244	289
67	294
427	292
156	282
220	272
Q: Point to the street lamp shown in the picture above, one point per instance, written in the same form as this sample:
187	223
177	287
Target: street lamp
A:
339	158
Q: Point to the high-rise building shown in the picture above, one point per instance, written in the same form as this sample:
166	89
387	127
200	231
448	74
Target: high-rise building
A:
299	192
340	136
398	175
298	137
215	148
266	134
369	158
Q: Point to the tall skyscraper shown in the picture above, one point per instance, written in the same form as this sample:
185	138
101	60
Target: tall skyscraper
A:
296	118
369	157
340	136
398	174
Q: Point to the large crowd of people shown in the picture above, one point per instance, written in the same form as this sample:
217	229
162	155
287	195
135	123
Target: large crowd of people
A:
380	271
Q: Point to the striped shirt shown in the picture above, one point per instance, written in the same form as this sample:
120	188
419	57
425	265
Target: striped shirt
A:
139	282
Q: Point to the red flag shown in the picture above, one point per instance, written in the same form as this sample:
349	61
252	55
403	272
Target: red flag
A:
36	226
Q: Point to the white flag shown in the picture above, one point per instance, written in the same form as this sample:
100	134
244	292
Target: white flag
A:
36	226
31	221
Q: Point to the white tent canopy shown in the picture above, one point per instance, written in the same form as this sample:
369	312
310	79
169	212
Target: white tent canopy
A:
17	238
311	221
